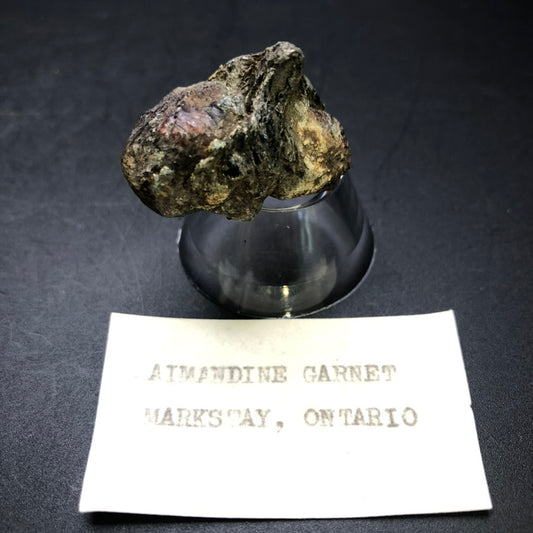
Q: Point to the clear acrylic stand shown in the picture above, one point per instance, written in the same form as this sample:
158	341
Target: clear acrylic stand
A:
294	258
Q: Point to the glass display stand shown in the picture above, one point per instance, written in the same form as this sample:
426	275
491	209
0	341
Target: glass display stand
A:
294	258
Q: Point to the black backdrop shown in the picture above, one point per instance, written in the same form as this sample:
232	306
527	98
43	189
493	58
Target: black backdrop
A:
435	98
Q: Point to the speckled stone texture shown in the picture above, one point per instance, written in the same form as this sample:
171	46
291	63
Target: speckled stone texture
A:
255	128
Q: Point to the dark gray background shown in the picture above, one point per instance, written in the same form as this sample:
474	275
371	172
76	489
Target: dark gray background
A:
435	98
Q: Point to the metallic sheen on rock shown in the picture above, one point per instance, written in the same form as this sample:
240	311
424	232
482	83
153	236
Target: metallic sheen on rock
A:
255	128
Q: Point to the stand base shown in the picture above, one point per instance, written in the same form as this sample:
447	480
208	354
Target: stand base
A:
295	258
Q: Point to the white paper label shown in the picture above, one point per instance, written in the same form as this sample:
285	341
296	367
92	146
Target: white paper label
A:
302	418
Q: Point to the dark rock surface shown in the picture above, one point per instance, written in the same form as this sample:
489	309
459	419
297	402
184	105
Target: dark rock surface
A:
255	128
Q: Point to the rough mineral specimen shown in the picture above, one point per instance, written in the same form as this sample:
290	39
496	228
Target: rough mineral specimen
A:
255	128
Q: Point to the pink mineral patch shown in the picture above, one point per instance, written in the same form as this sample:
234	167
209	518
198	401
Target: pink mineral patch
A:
192	122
